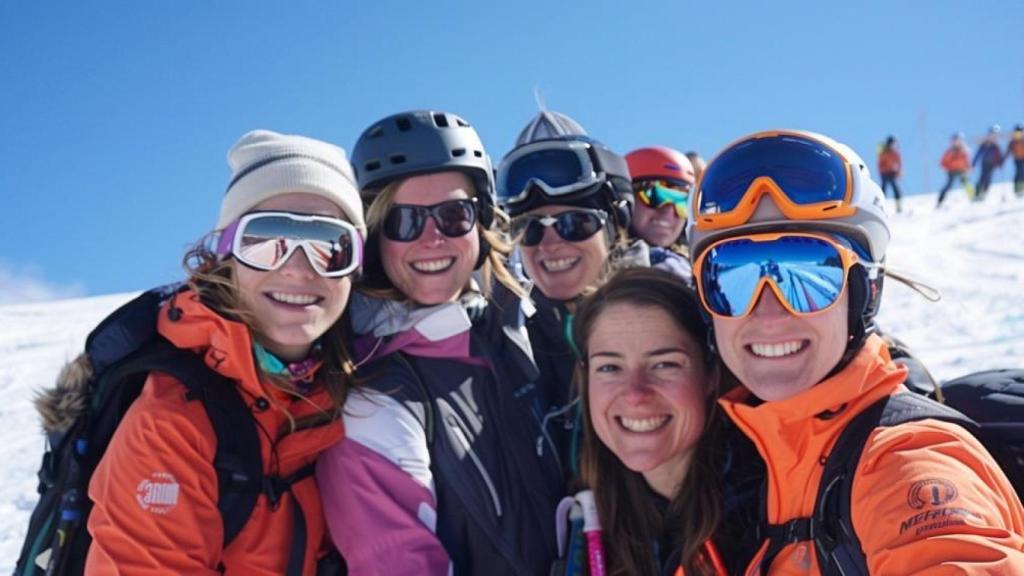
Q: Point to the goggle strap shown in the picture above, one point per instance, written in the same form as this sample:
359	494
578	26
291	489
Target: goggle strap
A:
929	292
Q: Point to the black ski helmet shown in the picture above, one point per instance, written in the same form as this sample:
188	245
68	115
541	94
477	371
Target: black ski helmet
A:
422	142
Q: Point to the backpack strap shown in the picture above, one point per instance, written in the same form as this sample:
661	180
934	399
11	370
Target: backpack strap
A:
838	548
238	461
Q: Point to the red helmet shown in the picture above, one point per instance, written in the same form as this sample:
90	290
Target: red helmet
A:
659	163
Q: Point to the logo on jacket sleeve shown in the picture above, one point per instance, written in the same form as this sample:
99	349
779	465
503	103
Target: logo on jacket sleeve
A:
158	493
931	492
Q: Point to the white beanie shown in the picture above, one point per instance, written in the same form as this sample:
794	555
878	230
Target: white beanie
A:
265	164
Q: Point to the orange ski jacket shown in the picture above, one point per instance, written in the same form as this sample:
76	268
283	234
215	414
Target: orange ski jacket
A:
889	162
155	490
956	159
927	498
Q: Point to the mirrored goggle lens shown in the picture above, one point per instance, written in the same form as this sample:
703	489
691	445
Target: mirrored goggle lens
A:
572	226
659	193
557	168
405	222
266	242
808	172
809	273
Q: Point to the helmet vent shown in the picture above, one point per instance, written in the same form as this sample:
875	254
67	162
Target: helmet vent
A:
372	165
403	124
397	158
458	152
478	154
462	122
441	120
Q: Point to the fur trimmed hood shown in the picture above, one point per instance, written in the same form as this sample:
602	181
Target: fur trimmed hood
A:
61	404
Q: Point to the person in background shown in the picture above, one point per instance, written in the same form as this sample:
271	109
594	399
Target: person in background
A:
956	161
444	468
570	200
1015	150
990	157
648	383
890	165
662	181
791	276
698	163
265	308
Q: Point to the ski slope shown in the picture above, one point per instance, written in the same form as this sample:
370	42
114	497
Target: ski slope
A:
973	253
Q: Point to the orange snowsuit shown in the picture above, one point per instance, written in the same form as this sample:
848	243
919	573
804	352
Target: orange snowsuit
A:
956	159
155	490
889	161
1016	146
978	529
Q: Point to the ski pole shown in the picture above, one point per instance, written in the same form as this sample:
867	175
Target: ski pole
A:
592	531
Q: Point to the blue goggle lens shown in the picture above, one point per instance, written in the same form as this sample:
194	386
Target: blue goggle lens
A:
808	172
809	273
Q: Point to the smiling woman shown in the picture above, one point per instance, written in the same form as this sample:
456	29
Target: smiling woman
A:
444	469
648	385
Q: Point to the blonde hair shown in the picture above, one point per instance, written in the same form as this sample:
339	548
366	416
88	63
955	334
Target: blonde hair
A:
493	269
213	280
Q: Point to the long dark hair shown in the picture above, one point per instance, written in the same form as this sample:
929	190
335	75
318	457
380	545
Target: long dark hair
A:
629	517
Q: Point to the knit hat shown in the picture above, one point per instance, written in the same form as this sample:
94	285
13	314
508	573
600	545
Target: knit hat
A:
265	164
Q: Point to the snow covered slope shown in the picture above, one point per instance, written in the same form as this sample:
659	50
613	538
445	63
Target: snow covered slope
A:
973	253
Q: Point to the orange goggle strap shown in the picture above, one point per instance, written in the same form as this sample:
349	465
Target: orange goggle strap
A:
847	257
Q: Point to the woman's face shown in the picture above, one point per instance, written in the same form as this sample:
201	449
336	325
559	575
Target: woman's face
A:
657	226
293	305
433	268
562	270
647	384
778	355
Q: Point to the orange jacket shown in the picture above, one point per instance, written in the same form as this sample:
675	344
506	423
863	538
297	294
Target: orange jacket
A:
984	528
889	161
155	490
1016	146
956	159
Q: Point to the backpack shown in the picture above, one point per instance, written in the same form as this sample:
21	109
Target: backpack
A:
122	350
992	405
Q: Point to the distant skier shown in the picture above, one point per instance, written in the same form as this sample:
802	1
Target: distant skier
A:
890	165
1015	150
991	157
956	162
698	163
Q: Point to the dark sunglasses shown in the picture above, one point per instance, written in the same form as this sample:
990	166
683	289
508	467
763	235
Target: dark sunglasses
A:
571	226
454	218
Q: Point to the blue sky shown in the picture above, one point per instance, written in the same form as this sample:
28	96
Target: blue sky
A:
115	118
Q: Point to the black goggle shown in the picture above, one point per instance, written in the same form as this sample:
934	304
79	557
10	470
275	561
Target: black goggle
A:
454	218
571	226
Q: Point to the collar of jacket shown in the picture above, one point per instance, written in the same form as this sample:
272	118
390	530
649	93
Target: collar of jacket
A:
441	331
793	435
225	344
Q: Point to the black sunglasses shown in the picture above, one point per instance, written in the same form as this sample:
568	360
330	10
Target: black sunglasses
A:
454	218
571	226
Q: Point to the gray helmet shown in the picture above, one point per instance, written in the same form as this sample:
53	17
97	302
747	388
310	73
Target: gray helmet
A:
421	142
546	125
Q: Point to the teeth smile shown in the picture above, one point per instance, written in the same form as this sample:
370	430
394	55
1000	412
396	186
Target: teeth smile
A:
559	265
296	299
432	266
643	424
777	350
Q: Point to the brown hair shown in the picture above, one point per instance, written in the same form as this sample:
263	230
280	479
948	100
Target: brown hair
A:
630	519
376	283
213	280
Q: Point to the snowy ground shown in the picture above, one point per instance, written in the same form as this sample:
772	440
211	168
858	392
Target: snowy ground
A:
973	253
